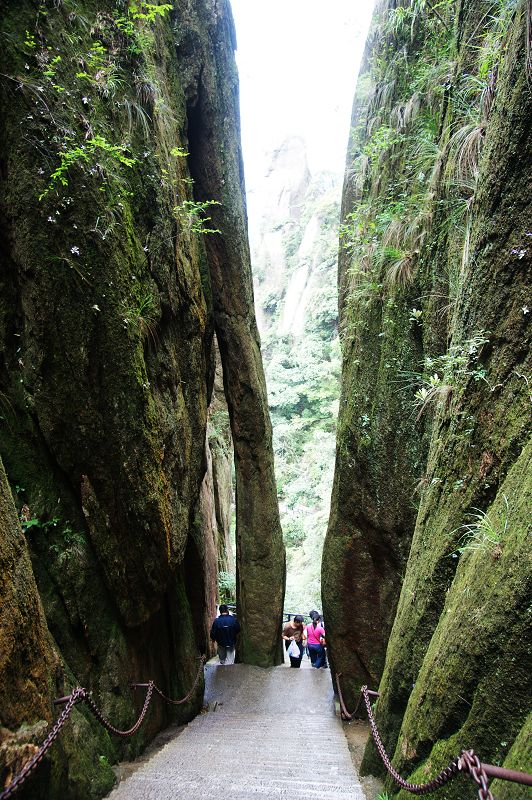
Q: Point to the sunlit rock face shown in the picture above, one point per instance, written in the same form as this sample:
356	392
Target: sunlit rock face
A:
436	337
221	449
281	192
288	179
110	293
288	260
216	506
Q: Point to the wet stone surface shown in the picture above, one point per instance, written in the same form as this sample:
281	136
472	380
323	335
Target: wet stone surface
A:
265	732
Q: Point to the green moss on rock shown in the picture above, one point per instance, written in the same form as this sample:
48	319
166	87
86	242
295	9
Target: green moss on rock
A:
444	688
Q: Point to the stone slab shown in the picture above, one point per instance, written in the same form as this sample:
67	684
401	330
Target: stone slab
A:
268	733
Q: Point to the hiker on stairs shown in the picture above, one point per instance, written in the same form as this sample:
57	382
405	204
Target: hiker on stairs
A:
224	632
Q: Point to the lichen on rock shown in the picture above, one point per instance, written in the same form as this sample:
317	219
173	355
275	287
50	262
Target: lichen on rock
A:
107	324
437	259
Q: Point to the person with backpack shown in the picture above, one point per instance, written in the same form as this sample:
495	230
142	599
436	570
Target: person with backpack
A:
224	631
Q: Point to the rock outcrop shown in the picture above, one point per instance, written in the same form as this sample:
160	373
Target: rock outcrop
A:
112	284
217	170
434	300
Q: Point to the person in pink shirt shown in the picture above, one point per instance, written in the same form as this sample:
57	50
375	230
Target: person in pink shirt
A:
314	639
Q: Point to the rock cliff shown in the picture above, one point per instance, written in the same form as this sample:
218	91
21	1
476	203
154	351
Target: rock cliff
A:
28	661
425	568
119	138
294	255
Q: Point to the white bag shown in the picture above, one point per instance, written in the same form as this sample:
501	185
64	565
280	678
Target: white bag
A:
293	650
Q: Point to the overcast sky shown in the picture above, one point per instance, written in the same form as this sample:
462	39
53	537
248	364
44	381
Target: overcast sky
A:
298	62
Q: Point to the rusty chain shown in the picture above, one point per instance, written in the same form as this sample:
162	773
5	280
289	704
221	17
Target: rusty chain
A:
470	762
81	695
191	692
467	761
76	697
444	777
111	728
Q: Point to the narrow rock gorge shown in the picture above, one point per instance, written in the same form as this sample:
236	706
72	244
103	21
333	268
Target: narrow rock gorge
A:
133	394
123	254
426	565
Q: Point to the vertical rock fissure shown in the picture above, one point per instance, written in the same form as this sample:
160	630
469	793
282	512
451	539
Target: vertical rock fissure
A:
216	168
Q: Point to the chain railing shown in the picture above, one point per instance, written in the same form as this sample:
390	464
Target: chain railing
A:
81	695
34	762
467	762
167	699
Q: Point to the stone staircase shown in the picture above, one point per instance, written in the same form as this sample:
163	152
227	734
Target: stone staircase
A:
268	733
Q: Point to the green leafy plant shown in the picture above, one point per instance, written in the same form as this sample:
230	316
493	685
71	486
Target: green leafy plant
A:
35	522
481	533
69	538
141	315
136	23
179	152
192	214
149	12
381	142
433	390
51	70
85	154
29	41
444	373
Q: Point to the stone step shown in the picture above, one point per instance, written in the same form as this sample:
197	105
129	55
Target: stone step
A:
273	734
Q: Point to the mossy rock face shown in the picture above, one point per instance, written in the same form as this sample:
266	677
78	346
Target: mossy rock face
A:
454	675
392	283
206	44
519	758
474	683
106	323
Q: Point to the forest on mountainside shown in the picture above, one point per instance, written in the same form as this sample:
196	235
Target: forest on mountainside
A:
294	257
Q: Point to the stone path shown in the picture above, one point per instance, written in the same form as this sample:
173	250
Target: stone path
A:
268	733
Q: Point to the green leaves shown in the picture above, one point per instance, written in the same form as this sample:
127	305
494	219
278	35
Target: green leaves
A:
226	587
149	12
86	154
192	214
35	522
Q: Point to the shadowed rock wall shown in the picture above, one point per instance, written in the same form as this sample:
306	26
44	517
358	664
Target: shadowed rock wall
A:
216	167
28	661
106	368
